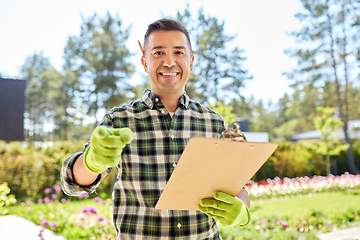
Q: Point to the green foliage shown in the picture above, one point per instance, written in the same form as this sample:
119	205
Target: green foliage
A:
291	160
72	222
328	42
224	111
100	56
218	68
330	144
29	171
292	218
6	199
36	94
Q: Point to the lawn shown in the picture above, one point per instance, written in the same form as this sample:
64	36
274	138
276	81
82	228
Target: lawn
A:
300	217
300	206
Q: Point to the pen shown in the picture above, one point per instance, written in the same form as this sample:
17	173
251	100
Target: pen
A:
141	48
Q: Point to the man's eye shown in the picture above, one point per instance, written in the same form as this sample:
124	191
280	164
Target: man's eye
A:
179	53
158	53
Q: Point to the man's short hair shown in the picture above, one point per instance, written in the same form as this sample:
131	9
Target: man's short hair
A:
166	25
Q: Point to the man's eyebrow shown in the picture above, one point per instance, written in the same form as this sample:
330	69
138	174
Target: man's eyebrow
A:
162	47
158	47
179	47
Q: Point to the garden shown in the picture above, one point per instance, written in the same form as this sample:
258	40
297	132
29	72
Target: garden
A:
298	207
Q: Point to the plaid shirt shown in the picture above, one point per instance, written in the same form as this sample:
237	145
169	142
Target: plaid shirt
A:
146	166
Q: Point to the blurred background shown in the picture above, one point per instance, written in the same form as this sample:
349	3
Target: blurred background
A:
288	70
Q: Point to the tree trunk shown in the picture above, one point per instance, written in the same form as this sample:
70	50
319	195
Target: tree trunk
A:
327	162
350	155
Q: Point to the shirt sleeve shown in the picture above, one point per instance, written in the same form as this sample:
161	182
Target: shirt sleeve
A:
69	186
66	177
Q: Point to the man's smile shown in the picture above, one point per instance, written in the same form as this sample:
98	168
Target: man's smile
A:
168	74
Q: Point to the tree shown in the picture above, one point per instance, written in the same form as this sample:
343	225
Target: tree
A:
102	59
330	27
62	91
37	95
218	68
224	111
330	144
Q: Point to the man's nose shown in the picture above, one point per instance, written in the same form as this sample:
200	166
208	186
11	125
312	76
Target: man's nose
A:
169	61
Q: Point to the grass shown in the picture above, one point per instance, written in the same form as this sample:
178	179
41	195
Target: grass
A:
333	207
298	207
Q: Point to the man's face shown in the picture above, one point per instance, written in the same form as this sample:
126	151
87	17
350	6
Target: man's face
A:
168	62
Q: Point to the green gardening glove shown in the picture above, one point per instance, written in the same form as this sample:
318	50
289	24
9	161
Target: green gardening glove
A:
105	148
226	209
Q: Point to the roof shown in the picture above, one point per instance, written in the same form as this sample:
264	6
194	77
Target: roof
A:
257	136
353	129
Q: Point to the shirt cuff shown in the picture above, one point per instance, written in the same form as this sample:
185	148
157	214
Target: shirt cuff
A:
67	179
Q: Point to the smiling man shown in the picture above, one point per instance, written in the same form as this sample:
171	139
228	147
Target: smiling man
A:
144	140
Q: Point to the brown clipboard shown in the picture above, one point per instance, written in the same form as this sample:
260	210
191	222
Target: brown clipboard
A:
208	165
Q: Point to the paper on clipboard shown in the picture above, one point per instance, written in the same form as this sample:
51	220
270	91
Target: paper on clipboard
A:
208	165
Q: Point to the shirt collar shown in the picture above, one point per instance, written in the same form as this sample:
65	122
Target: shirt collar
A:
151	99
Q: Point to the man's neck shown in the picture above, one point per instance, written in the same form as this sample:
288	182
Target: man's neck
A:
170	101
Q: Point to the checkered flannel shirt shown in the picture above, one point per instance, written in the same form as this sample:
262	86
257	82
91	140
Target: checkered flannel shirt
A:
146	166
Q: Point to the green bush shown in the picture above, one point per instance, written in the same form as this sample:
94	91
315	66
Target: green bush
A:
5	199
29	170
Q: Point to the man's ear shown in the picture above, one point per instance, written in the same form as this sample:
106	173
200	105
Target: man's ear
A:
191	62
144	63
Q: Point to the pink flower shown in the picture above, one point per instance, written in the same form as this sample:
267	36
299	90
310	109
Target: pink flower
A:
97	199
45	223
93	210
47	190
104	202
53	196
266	221
109	223
63	200
55	224
286	224
304	223
28	209
85	210
57	188
101	218
40	200
23	204
279	223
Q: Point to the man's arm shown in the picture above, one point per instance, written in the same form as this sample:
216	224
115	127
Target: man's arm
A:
81	174
244	196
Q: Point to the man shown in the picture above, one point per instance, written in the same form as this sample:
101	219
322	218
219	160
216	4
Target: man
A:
145	139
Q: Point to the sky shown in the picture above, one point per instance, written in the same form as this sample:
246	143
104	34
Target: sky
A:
28	27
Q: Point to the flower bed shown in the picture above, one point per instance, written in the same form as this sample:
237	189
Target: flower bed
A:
301	185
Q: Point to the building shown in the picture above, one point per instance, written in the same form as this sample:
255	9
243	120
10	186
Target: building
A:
12	106
315	135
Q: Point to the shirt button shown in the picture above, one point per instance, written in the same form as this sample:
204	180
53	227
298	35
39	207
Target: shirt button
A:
156	99
172	136
179	225
162	111
174	164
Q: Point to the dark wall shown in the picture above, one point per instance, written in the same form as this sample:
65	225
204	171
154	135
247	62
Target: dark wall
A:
12	105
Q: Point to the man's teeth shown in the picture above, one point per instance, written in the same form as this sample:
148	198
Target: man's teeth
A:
169	74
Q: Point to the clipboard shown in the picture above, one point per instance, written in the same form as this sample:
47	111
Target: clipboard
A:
208	165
